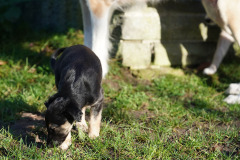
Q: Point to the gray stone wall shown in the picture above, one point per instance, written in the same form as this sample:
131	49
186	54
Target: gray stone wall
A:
166	34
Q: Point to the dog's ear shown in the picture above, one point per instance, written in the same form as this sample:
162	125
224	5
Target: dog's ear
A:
58	105
50	100
74	112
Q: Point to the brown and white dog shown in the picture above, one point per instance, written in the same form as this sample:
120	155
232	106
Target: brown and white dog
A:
96	16
225	13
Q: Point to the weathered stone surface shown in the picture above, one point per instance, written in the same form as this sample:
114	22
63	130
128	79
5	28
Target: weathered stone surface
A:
182	39
136	55
185	27
172	53
143	23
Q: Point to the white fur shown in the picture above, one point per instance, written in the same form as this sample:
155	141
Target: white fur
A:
234	89
226	14
221	13
232	99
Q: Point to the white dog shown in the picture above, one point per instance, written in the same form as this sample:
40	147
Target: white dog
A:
225	13
96	19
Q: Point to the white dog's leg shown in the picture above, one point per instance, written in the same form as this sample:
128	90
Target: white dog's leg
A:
224	42
100	43
96	15
87	24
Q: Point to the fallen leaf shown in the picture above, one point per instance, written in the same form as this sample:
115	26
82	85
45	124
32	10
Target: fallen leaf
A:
2	62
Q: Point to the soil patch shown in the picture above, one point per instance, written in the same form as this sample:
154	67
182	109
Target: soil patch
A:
31	128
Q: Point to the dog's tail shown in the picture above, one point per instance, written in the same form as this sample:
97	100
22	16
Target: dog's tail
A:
55	55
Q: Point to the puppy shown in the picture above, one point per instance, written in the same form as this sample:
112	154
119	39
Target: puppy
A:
78	76
225	13
96	17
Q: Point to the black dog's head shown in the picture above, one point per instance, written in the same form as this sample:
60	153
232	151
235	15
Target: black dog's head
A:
60	114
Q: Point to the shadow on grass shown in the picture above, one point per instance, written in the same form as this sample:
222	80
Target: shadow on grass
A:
17	53
228	72
35	47
16	116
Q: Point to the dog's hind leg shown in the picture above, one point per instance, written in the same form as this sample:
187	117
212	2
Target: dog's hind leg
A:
234	25
224	42
95	120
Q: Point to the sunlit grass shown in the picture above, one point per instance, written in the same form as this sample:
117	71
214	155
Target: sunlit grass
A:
168	117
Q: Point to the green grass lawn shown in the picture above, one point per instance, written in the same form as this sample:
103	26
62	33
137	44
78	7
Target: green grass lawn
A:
161	117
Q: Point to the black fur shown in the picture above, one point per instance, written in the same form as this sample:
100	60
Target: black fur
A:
78	76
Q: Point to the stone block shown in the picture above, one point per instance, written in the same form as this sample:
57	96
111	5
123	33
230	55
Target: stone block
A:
136	54
173	31
177	53
141	23
186	28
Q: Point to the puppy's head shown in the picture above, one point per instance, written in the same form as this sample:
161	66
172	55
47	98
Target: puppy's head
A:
59	119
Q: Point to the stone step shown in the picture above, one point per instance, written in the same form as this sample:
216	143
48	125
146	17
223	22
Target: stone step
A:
147	24
143	54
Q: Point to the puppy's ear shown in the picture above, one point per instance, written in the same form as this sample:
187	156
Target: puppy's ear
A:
58	105
74	112
50	100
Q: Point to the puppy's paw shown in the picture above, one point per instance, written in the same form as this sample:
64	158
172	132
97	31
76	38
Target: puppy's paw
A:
234	88
65	145
210	70
93	135
82	126
232	99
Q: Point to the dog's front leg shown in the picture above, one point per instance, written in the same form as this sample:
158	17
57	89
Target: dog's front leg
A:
82	125
87	23
224	42
95	120
96	15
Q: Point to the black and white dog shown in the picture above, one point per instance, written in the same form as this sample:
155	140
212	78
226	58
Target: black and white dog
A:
78	77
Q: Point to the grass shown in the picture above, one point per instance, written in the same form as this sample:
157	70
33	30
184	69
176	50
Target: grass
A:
167	117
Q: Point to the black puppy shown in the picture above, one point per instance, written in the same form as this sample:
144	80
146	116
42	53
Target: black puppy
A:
78	76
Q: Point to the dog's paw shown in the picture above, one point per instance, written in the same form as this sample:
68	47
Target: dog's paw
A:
82	126
93	135
210	70
232	99
234	88
67	142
